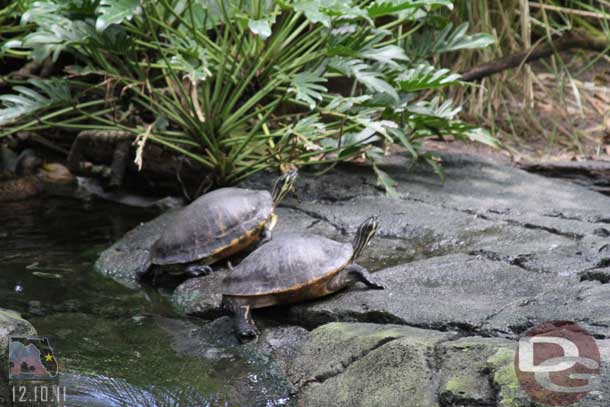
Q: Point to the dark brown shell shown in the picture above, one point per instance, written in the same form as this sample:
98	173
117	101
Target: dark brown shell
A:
212	223
18	189
289	262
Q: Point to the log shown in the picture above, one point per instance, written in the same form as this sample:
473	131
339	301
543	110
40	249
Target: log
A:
571	40
109	156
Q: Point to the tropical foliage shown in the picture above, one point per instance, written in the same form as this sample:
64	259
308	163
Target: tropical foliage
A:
239	86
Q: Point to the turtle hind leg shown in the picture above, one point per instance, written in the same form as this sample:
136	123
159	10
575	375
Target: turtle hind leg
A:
198	270
242	320
352	274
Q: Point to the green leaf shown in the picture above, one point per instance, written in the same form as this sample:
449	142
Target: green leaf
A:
377	126
364	73
389	55
307	88
431	42
343	104
435	163
41	13
197	70
385	181
309	126
399	134
115	12
382	8
307	129
323	11
435	108
482	136
54	32
262	27
191	58
362	138
348	151
28	101
459	39
425	77
313	12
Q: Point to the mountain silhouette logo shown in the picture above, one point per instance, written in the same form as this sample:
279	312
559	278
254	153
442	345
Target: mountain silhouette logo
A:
31	359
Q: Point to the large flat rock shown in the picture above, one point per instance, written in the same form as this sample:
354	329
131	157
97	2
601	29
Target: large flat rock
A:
493	250
359	364
448	292
367	365
128	258
490	252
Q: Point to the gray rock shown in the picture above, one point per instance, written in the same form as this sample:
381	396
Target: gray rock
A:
522	240
283	343
11	324
200	297
465	373
596	274
439	293
367	365
128	258
492	251
257	379
585	303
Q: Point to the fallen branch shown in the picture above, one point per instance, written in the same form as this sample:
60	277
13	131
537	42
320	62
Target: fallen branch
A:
569	41
566	10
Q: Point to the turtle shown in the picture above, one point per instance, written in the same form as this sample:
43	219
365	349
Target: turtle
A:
294	267
215	226
30	176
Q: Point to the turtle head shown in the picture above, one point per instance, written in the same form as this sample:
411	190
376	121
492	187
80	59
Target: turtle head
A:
283	185
27	163
365	233
55	173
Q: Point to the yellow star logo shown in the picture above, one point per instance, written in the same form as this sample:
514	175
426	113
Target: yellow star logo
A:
48	357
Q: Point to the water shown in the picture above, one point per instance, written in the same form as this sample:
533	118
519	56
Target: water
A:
114	345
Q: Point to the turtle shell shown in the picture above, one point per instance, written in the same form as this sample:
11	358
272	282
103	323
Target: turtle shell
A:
215	221
289	262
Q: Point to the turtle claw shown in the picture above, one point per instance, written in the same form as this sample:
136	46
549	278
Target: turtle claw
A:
248	334
244	326
375	286
197	270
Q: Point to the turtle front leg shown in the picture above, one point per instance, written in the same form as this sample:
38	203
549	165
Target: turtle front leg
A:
198	270
242	320
266	234
352	274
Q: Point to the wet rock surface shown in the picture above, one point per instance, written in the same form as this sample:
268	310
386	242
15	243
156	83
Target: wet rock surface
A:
468	266
127	259
259	380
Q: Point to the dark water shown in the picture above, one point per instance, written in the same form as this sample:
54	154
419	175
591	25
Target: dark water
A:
113	344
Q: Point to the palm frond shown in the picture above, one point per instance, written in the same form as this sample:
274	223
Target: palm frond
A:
27	101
